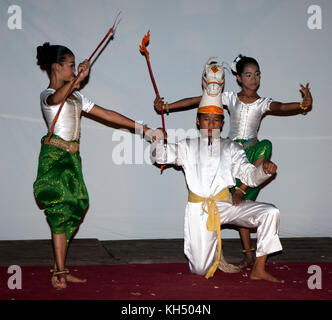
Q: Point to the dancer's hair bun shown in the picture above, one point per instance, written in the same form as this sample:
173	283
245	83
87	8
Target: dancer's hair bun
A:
48	54
43	56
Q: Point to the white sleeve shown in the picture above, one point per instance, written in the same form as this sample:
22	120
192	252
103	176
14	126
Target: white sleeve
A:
226	98
44	95
169	154
87	104
244	170
266	105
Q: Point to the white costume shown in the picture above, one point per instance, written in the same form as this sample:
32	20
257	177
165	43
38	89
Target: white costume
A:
209	169
245	118
67	127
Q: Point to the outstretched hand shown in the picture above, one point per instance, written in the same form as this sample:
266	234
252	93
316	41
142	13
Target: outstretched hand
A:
269	167
159	134
155	134
158	104
306	94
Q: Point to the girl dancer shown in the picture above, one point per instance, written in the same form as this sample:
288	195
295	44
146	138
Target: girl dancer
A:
59	186
246	109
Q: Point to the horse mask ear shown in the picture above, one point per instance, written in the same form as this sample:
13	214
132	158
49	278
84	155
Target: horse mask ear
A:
208	62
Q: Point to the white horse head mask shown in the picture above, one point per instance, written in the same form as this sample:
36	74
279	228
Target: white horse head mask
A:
213	77
213	80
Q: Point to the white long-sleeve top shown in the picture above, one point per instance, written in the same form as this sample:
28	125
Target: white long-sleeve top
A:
209	169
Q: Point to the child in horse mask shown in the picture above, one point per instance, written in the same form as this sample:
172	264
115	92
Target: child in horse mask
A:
59	186
211	165
246	109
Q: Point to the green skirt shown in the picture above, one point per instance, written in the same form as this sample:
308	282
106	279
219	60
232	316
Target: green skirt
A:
261	149
60	189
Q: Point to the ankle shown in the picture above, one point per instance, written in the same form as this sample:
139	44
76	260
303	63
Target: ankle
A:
56	272
249	253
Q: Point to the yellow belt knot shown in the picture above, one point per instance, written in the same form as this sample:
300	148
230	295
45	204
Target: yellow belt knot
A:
213	220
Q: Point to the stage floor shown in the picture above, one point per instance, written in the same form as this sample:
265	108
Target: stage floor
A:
94	252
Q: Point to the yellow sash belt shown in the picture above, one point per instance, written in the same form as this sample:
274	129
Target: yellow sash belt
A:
213	221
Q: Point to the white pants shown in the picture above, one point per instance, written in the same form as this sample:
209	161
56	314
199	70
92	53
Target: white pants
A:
200	245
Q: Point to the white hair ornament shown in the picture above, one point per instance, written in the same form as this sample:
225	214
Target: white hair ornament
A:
236	60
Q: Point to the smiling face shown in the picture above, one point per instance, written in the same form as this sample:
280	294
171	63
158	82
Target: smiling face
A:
210	123
250	77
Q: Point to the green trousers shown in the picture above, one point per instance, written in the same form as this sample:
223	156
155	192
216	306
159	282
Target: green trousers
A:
261	149
60	189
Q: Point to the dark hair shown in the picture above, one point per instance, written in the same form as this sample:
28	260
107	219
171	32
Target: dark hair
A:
200	114
48	54
240	62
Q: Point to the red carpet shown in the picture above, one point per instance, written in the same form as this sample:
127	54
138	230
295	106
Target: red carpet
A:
171	281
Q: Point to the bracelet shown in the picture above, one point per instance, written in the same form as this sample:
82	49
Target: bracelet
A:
248	250
55	272
167	109
239	189
301	106
144	127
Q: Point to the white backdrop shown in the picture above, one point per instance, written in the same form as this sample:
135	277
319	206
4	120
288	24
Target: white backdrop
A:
133	201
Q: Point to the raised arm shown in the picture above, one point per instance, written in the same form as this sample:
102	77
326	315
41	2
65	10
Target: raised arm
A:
304	106
186	104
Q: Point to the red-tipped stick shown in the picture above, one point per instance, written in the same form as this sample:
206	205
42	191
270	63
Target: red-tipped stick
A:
111	30
144	50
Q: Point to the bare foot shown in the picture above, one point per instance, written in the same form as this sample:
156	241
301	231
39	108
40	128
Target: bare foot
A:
59	282
248	260
264	275
71	278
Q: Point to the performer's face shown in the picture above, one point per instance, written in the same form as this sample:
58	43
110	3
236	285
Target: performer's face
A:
210	123
67	70
250	77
